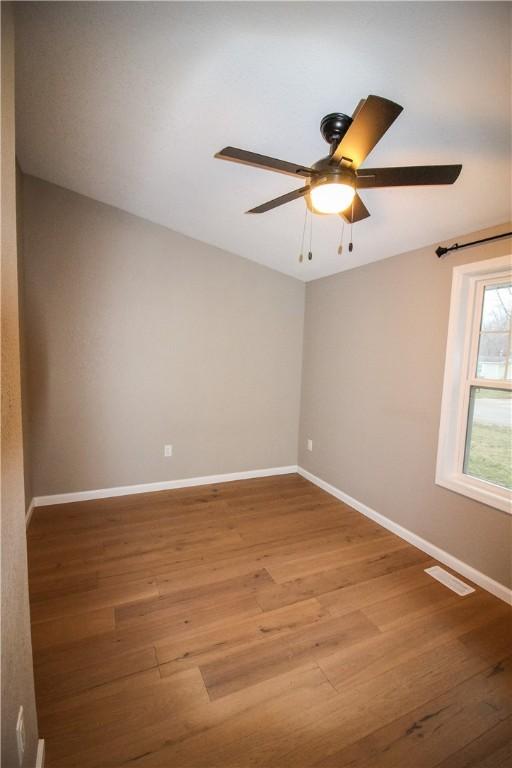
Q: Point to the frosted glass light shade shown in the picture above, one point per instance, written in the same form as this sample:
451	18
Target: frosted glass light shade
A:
331	197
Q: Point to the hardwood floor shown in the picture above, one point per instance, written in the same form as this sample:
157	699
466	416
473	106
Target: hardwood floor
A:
257	623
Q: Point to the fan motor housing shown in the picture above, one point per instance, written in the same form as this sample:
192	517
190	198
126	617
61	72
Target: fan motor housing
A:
336	176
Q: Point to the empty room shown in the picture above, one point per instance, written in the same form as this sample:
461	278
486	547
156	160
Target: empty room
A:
256	381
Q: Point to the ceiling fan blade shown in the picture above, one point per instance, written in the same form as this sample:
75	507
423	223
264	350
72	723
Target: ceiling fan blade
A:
264	162
413	175
355	212
370	122
293	195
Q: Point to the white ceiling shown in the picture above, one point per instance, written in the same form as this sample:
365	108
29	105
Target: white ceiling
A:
128	102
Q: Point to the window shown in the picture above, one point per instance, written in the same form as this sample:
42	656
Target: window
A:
475	435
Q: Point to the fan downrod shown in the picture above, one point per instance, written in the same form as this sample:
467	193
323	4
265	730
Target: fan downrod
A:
333	127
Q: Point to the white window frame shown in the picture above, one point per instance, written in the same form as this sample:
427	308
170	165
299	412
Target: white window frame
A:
469	281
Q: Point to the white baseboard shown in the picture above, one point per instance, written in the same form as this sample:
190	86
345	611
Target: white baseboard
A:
479	578
165	485
28	513
40	754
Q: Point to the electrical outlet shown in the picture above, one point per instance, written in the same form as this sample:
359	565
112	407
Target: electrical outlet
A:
310	444
167	450
20	735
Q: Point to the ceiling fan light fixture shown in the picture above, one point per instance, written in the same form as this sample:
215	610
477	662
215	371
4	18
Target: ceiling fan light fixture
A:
332	195
333	182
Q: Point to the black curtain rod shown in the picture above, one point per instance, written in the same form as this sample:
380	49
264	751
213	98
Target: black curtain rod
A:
441	250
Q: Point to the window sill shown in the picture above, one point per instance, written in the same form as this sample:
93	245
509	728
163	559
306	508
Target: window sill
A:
486	493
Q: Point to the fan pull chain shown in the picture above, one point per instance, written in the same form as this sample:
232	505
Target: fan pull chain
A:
301	255
310	252
351	244
340	246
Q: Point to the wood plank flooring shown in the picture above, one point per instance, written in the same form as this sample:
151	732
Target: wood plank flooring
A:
257	624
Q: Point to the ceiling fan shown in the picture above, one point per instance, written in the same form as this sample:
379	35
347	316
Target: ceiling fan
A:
333	183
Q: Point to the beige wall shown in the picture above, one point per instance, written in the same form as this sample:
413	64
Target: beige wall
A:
17	675
374	347
138	336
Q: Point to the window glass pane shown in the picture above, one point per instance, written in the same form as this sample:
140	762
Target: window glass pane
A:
492	356
494	349
488	453
497	308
